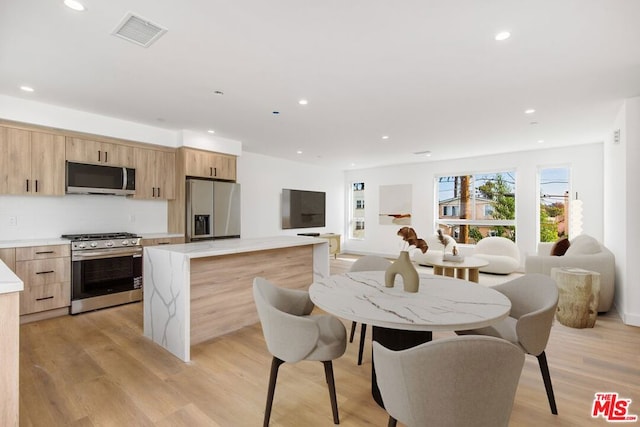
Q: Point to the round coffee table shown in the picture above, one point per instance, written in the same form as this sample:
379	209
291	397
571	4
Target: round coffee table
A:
468	269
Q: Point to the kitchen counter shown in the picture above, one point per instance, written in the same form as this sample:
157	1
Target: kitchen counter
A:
9	282
33	242
194	292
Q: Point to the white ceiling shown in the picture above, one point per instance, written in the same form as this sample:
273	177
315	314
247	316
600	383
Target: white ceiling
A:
427	73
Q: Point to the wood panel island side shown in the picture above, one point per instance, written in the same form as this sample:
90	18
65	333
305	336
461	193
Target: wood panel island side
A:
194	292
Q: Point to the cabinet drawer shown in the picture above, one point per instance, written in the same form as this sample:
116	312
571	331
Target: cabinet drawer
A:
42	252
45	297
44	271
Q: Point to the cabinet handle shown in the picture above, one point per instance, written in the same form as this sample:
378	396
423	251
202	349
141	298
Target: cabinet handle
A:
164	243
106	157
45	272
153	191
215	171
44	252
210	171
44	298
99	155
36	185
158	191
27	186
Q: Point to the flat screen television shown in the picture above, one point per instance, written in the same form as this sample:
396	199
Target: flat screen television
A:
302	209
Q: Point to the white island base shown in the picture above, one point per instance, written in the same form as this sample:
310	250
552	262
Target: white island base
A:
198	291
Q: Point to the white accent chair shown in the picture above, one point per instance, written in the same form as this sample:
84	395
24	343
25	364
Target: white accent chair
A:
462	381
534	298
501	253
366	263
584	252
292	334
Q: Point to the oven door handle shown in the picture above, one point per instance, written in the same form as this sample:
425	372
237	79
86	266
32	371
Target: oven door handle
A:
135	252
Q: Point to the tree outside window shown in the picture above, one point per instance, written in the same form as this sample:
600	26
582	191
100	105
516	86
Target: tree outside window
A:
471	207
554	203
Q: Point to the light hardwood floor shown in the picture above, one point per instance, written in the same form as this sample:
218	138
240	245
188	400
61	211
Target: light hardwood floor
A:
96	369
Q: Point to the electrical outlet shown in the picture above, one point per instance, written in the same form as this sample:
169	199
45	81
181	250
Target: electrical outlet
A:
13	221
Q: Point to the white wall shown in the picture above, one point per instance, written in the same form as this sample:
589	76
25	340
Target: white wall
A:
38	113
263	178
50	217
585	162
621	207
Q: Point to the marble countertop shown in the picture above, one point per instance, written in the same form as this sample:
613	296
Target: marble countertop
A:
160	235
33	242
233	246
9	282
441	304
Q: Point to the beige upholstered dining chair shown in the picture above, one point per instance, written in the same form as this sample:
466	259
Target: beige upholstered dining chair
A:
293	334
461	381
366	263
534	298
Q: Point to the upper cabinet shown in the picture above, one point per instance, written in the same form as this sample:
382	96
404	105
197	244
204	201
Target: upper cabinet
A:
209	165
155	174
31	162
97	152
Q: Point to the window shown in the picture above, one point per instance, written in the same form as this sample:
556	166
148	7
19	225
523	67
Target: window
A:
554	203
356	213
475	206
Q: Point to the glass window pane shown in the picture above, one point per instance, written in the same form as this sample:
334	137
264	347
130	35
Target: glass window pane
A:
356	213
554	203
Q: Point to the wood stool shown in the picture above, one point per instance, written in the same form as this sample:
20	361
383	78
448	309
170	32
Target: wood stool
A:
579	293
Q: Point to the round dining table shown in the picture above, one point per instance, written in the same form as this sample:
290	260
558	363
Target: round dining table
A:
402	319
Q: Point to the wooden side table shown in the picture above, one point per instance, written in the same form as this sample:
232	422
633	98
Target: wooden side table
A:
468	269
579	294
334	243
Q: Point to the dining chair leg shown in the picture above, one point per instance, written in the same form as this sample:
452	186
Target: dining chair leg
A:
328	373
392	422
363	333
546	377
275	364
353	331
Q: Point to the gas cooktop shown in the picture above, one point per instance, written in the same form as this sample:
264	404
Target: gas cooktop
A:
99	236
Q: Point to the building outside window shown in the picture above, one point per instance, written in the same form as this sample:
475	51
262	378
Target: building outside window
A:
554	203
356	212
471	207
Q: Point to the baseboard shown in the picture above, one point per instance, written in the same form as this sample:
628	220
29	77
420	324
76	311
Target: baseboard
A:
631	319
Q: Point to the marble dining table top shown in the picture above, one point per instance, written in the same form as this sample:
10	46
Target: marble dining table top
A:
441	303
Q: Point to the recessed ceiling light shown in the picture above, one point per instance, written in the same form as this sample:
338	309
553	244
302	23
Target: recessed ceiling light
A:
74	4
540	141
529	111
299	152
211	131
26	88
502	35
353	164
385	137
303	102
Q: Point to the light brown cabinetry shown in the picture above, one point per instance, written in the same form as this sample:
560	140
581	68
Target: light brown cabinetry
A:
98	152
46	273
334	243
155	174
162	241
209	165
31	162
8	256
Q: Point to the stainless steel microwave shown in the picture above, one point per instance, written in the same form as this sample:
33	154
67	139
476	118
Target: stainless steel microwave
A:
84	178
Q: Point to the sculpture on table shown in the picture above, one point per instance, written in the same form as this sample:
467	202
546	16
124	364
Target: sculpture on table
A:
403	265
447	240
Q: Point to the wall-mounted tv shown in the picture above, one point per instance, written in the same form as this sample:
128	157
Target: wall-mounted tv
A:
302	209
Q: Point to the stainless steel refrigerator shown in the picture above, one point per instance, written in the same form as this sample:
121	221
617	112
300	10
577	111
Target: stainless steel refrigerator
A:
213	210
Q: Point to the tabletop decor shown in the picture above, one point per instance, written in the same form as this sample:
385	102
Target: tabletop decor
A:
447	240
403	265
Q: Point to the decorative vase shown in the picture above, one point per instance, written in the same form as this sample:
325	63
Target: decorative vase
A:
404	267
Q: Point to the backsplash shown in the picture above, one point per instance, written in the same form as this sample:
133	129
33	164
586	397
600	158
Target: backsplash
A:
46	217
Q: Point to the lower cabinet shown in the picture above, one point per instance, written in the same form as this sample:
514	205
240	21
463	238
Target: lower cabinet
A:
162	241
46	273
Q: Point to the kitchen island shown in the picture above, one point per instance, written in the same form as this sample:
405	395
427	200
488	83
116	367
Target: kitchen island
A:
10	288
194	292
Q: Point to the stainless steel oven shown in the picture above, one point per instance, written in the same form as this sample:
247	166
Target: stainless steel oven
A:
106	270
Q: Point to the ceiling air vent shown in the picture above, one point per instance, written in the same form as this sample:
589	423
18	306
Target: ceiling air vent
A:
138	30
